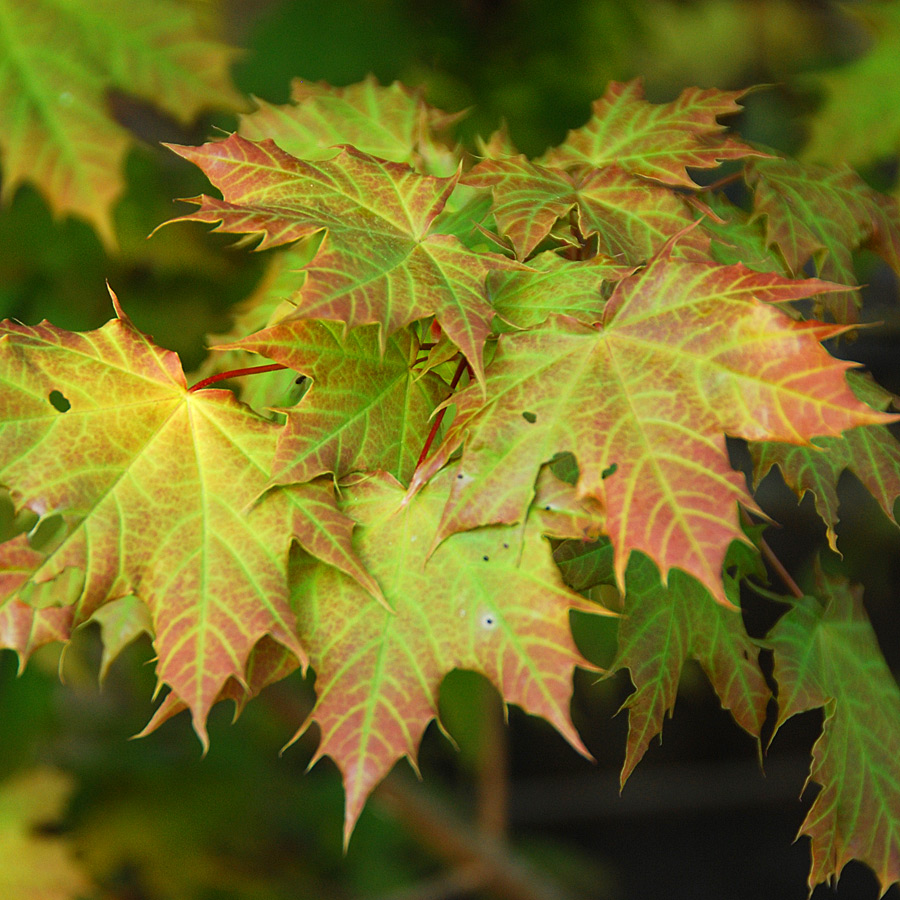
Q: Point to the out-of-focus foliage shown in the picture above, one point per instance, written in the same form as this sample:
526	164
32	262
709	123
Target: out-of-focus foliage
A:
149	819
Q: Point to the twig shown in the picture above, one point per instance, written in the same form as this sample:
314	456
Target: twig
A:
436	827
770	557
460	368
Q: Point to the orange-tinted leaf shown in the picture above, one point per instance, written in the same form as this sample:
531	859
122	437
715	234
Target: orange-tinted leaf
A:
489	600
658	141
686	353
379	263
155	485
632	217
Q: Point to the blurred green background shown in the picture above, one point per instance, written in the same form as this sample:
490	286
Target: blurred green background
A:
150	819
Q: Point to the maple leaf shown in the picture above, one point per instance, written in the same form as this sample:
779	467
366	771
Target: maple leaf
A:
154	484
658	141
379	262
392	123
25	629
553	286
826	655
663	627
686	352
366	410
35	865
489	600
632	217
823	215
60	60
859	122
871	453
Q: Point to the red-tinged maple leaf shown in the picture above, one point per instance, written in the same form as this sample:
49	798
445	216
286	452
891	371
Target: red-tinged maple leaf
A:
826	655
686	352
824	215
489	600
392	123
379	262
632	217
155	485
658	141
268	662
662	628
871	453
366	409
60	62
24	628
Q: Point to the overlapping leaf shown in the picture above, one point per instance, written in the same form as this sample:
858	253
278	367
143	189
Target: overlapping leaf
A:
658	141
872	454
489	600
826	655
59	60
366	409
685	353
632	217
154	484
553	286
392	123
379	263
824	215
662	628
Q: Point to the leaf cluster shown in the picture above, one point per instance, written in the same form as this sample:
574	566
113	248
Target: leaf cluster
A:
493	391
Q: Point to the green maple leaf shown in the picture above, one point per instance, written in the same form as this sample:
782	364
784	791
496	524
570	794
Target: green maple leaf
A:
859	122
59	60
392	123
871	453
155	486
379	261
489	600
826	655
662	628
632	217
824	215
553	286
657	141
366	409
686	352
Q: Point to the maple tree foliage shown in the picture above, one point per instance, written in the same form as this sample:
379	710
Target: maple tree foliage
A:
487	387
59	62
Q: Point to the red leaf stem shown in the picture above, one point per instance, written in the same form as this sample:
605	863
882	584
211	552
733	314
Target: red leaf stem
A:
235	373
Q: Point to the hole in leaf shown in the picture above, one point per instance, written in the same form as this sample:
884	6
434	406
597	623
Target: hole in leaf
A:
59	402
610	470
529	417
485	558
488	622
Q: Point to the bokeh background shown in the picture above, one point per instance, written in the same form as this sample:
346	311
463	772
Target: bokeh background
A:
150	819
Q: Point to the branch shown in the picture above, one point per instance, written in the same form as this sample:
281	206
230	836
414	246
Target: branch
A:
436	827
